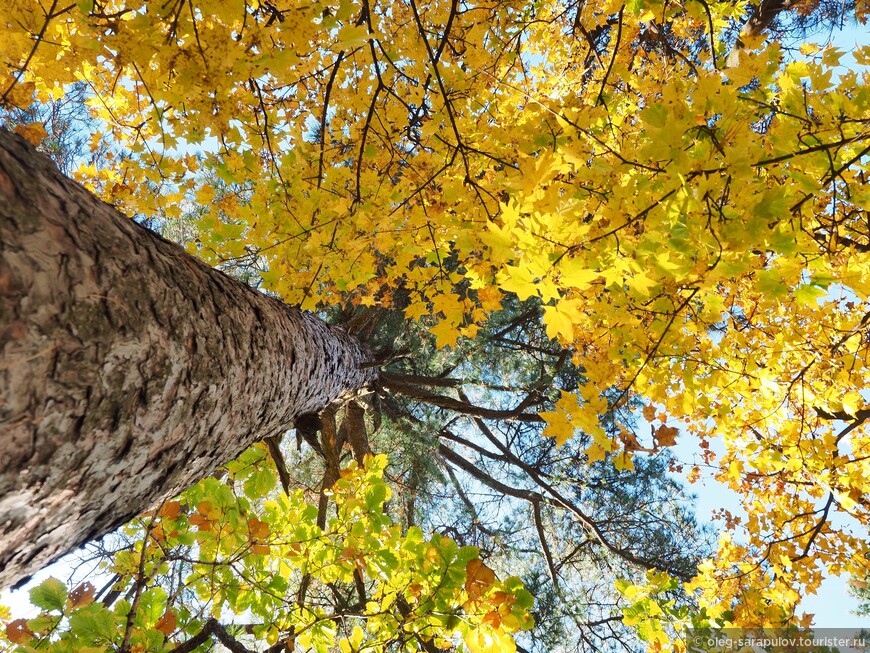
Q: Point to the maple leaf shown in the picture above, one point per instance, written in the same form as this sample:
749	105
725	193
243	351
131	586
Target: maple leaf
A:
573	273
446	333
34	132
17	93
561	319
595	452
629	440
641	284
416	310
665	436
520	281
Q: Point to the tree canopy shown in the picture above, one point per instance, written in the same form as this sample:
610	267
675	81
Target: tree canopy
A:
676	190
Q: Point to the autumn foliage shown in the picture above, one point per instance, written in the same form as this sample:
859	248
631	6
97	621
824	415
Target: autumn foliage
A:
689	210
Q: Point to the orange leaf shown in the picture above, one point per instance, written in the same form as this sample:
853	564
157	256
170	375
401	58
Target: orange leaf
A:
166	623
348	553
498	598
492	618
82	595
478	578
33	132
630	441
170	509
18	632
259	529
157	533
666	436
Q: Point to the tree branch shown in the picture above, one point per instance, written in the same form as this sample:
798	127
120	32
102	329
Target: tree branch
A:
542	538
464	407
590	524
214	629
419	379
273	443
323	116
817	528
475	471
469	506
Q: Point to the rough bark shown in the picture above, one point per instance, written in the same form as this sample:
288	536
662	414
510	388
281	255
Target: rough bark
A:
128	369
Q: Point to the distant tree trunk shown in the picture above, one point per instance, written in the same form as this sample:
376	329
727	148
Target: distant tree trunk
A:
128	369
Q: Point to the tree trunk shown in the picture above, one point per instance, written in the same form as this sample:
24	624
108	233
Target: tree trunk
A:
128	369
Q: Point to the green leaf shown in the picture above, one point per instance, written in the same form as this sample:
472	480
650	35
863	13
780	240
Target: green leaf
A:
49	595
376	495
822	279
524	598
44	623
655	115
807	294
152	604
783	242
467	553
94	623
770	283
260	483
186	538
387	562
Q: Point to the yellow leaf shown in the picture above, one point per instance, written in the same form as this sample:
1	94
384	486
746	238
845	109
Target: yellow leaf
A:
560	422
852	402
445	333
33	132
641	284
482	640
18	94
520	281
623	461
416	310
352	36
500	238
561	318
573	273
595	452
478	578
559	426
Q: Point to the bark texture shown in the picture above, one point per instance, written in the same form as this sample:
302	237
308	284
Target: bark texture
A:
128	369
